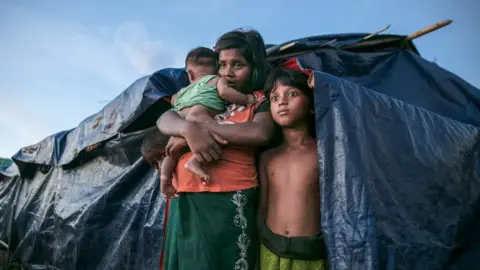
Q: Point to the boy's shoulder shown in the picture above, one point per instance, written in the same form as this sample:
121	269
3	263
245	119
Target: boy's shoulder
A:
267	155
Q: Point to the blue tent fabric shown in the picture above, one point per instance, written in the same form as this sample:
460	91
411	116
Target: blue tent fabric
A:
103	211
63	147
105	214
403	75
398	144
341	41
399	183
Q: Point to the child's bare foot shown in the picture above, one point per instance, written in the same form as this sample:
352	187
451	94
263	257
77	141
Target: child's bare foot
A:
166	187
195	167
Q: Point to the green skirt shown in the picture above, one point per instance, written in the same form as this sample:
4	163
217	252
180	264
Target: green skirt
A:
212	230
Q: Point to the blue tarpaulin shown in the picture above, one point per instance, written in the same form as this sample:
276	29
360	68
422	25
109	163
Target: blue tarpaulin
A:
398	140
399	183
99	209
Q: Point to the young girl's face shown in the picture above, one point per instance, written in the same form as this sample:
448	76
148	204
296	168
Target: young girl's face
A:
235	68
288	105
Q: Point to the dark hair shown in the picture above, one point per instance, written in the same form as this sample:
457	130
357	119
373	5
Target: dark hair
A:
290	77
193	57
153	139
252	47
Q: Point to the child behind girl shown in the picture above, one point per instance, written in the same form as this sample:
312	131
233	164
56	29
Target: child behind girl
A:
289	212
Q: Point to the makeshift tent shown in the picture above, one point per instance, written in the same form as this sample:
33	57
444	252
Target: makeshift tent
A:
398	142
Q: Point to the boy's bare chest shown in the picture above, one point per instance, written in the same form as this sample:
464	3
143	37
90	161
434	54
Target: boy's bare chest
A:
293	167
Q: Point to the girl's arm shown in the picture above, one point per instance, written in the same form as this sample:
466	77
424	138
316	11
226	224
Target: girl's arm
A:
204	140
231	95
257	132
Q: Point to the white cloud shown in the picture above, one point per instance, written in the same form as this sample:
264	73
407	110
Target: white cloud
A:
53	73
144	54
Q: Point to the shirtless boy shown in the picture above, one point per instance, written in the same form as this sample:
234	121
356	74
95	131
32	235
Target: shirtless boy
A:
289	212
206	96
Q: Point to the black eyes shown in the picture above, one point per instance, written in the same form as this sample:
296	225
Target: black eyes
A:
290	94
235	65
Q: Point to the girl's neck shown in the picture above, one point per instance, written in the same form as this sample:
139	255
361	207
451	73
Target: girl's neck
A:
298	135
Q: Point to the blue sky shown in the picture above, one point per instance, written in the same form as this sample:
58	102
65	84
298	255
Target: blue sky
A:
60	61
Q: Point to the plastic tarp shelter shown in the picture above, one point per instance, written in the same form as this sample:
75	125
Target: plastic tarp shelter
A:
398	143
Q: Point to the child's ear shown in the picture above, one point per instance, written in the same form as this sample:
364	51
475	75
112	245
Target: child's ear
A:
191	75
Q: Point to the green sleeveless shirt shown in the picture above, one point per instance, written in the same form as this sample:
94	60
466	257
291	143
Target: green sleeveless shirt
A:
199	93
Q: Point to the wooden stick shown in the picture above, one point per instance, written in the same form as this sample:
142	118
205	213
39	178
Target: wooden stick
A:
286	46
378	32
275	48
428	29
361	43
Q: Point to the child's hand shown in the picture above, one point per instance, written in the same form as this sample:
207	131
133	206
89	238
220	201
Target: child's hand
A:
251	100
175	145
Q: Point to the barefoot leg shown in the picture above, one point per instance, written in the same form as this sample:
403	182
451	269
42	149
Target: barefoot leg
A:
166	175
195	167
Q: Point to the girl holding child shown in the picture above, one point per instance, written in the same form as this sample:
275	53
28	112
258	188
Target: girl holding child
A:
214	226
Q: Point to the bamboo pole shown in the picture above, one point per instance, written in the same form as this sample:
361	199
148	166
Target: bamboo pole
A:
378	32
286	46
428	29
